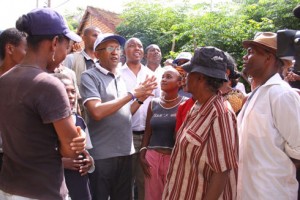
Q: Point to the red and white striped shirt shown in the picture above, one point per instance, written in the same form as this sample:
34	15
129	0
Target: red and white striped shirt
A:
207	142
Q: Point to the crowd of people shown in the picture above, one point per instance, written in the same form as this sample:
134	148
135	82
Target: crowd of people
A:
87	125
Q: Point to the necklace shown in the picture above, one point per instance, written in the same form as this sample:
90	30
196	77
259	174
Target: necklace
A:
169	100
182	98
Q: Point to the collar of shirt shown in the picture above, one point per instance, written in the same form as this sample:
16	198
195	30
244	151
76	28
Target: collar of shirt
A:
144	71
275	80
106	72
87	57
159	68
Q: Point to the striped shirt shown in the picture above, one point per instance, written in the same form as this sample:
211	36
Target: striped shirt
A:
207	142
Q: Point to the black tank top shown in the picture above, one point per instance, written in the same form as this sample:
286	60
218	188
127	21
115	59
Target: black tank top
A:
163	122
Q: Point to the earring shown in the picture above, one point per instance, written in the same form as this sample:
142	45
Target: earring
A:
53	59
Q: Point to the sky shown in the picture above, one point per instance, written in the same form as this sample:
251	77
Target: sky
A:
11	10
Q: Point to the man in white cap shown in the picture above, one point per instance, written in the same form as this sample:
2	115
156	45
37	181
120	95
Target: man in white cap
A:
182	58
268	126
106	99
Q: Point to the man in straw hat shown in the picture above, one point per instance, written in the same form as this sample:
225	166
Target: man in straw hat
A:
268	126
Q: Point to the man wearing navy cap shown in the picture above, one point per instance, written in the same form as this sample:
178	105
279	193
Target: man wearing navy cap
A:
105	96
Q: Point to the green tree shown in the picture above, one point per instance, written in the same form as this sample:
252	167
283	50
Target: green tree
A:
73	18
225	25
151	23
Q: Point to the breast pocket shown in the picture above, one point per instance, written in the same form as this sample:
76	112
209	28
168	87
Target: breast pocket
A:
259	125
197	137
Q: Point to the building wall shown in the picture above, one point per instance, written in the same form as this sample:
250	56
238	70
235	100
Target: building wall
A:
93	21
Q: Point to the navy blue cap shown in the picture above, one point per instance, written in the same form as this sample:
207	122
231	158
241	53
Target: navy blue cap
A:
46	21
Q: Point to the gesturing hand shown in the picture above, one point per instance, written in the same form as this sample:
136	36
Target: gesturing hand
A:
145	88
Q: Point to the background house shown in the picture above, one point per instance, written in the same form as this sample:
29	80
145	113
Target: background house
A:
105	20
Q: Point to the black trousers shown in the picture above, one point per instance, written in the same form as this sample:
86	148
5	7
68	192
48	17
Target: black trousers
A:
112	178
1	157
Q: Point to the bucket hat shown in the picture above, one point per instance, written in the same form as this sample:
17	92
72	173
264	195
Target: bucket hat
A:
209	61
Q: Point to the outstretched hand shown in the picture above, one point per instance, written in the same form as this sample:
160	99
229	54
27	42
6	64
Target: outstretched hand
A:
145	88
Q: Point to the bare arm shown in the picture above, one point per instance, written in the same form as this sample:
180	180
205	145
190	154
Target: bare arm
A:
217	185
136	105
145	143
71	143
99	110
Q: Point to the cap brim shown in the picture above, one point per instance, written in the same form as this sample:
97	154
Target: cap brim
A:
188	67
73	36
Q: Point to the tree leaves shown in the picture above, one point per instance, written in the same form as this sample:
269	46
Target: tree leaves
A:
224	25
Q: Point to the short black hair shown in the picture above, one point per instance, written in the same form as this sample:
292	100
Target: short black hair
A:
10	36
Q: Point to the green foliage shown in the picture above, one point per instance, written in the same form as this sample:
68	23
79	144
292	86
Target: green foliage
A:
73	18
224	25
151	23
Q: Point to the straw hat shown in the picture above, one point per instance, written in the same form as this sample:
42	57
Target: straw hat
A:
267	41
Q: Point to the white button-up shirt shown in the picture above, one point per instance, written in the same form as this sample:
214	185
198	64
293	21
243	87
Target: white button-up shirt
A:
269	134
132	81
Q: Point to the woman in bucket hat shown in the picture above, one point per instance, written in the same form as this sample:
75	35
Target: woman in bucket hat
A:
204	159
35	116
